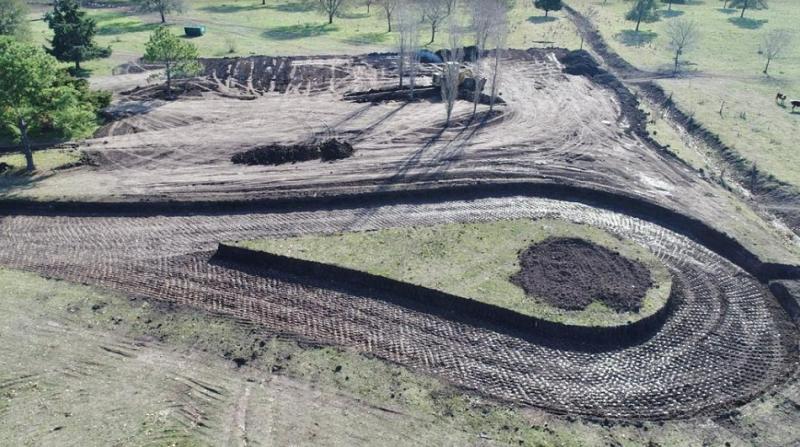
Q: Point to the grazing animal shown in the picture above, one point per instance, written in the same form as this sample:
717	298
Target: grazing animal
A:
781	98
795	104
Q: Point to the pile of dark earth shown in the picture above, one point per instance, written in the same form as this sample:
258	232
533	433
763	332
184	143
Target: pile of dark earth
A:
276	154
573	273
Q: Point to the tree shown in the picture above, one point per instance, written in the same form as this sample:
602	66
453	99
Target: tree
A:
33	95
451	70
408	43
642	10
434	12
548	5
683	34
487	17
748	4
162	7
331	7
178	57
73	34
389	7
774	44
498	36
669	3
368	4
13	22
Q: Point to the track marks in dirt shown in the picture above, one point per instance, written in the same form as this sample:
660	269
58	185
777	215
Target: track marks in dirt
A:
725	342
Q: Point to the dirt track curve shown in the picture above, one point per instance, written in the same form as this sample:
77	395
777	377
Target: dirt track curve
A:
726	342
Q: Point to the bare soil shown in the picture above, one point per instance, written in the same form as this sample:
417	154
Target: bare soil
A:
554	128
726	343
571	274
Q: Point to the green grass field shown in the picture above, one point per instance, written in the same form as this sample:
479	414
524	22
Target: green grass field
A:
724	71
287	27
473	261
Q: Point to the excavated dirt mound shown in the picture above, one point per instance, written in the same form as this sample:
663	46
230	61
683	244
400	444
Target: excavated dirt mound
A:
572	273
276	154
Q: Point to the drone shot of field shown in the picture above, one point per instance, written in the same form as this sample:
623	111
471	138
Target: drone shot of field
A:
399	222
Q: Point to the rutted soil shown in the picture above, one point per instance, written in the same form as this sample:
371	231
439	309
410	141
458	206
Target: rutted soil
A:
555	128
571	274
675	373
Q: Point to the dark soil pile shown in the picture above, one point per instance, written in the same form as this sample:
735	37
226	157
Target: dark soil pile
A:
276	154
335	150
4	167
572	273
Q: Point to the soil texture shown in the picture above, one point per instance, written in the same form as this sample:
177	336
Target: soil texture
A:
573	273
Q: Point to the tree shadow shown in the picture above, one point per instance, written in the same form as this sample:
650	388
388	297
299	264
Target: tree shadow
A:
726	10
541	19
303	6
352	15
299	31
130	26
747	23
17	179
633	38
226	9
366	39
671	14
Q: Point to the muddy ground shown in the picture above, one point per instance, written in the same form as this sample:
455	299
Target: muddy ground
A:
572	274
555	127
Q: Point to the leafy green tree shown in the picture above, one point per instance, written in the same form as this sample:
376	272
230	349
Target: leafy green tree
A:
73	34
642	10
178	57
548	5
162	7
748	4
13	21
34	95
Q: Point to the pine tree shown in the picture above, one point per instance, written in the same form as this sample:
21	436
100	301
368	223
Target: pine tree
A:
73	34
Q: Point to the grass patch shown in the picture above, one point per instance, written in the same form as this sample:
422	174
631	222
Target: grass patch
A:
473	261
281	28
128	369
731	66
46	160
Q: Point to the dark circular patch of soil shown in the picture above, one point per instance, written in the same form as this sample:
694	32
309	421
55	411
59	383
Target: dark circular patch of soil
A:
572	273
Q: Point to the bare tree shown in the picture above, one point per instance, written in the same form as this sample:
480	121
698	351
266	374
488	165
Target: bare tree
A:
451	70
331	7
368	4
591	15
487	16
498	36
408	43
162	7
434	12
774	44
389	7
683	34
